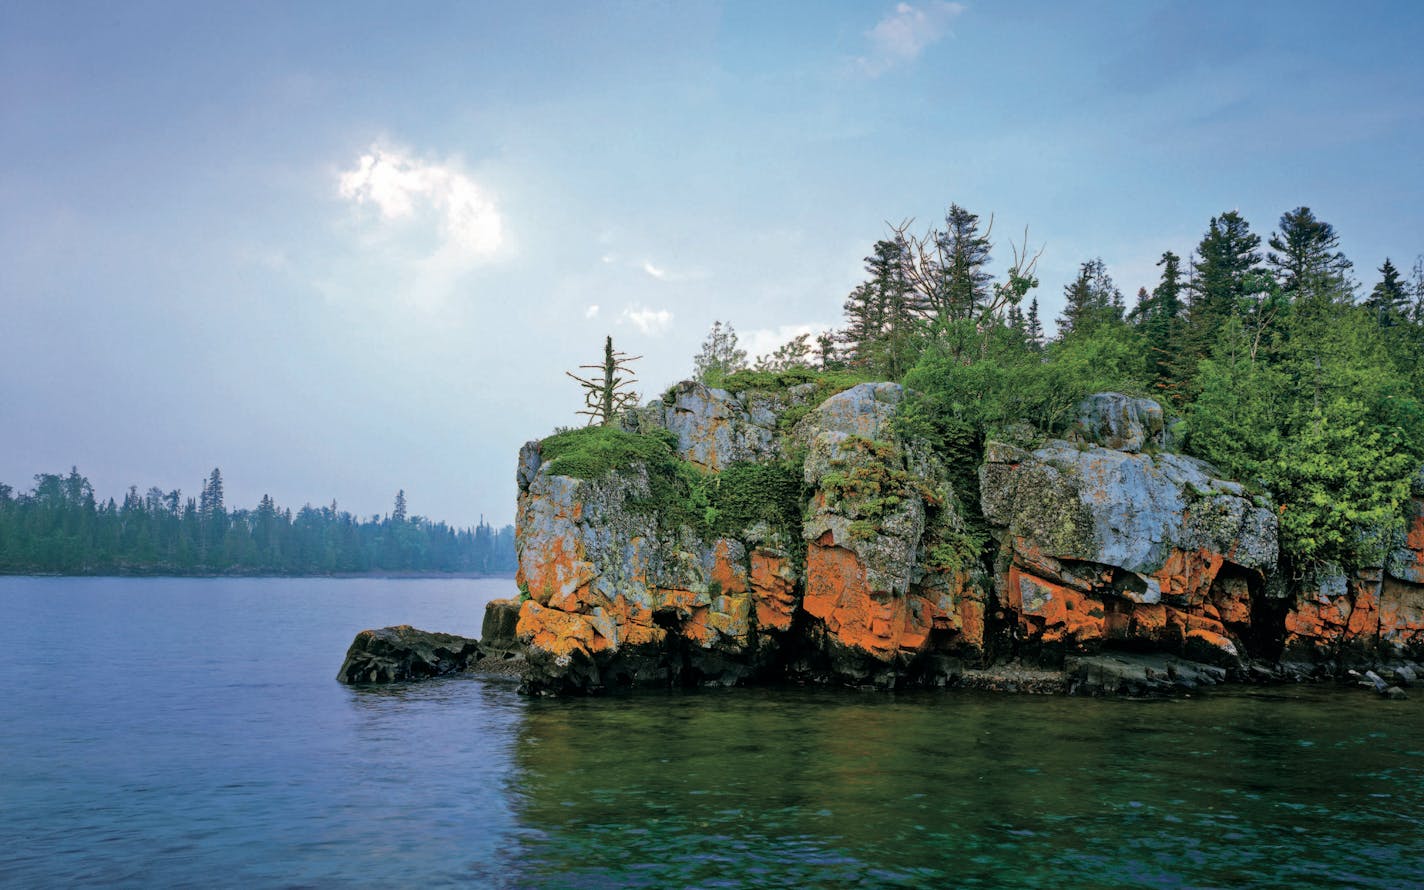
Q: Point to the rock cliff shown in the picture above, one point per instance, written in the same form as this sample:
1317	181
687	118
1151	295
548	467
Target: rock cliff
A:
798	533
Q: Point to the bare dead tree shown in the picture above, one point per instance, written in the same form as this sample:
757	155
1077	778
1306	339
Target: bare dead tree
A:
609	394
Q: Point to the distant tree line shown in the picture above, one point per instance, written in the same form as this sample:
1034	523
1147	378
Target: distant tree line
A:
60	526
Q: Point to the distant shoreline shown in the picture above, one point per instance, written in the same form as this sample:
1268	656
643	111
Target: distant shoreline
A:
382	575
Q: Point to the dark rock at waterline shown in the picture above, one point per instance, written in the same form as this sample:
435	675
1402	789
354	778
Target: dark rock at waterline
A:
1123	673
499	628
1395	693
393	654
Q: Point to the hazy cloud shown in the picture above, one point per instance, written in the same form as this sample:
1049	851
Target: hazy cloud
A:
901	36
591	312
654	271
762	341
407	190
653	322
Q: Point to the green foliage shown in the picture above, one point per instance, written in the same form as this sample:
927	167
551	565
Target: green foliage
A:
590	452
1340	485
828	382
744	494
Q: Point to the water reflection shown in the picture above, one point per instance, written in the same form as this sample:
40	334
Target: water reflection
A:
748	788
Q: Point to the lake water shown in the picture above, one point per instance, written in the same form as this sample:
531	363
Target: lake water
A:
189	732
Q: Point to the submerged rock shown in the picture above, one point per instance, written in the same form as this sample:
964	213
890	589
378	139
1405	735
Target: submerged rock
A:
393	654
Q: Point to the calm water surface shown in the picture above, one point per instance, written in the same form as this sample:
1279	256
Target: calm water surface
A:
178	732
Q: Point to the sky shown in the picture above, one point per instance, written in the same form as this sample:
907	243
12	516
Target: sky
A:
341	249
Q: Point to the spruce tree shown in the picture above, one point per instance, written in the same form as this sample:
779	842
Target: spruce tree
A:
1033	327
1389	302
719	356
1090	299
1227	263
965	252
1306	259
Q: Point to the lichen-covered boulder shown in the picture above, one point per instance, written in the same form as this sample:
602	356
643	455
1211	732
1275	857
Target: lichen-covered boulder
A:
1120	422
1104	546
394	654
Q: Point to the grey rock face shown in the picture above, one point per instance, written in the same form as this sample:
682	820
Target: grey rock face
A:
891	551
1120	422
714	427
1123	509
393	654
864	410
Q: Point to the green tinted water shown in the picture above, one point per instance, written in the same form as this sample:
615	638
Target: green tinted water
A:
190	732
1302	787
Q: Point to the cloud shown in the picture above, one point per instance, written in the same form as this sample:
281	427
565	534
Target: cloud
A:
901	36
762	341
591	312
654	271
408	192
653	322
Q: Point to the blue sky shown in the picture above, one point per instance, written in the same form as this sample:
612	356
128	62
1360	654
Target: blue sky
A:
341	249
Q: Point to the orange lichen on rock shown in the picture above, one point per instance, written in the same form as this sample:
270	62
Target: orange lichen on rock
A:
635	622
553	567
971	621
1062	613
1232	598
562	633
1188	574
1364	619
874	622
773	590
1401	613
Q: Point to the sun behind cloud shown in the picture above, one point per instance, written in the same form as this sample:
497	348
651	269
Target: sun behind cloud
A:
406	189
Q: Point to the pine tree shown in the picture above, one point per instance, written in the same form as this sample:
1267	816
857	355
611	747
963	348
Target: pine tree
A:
608	394
398	513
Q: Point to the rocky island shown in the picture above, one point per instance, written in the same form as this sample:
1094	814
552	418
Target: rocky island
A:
803	533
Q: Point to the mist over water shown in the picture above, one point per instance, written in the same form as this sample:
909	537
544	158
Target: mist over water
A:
162	732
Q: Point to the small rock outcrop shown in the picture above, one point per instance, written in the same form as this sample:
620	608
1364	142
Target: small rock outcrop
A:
395	654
